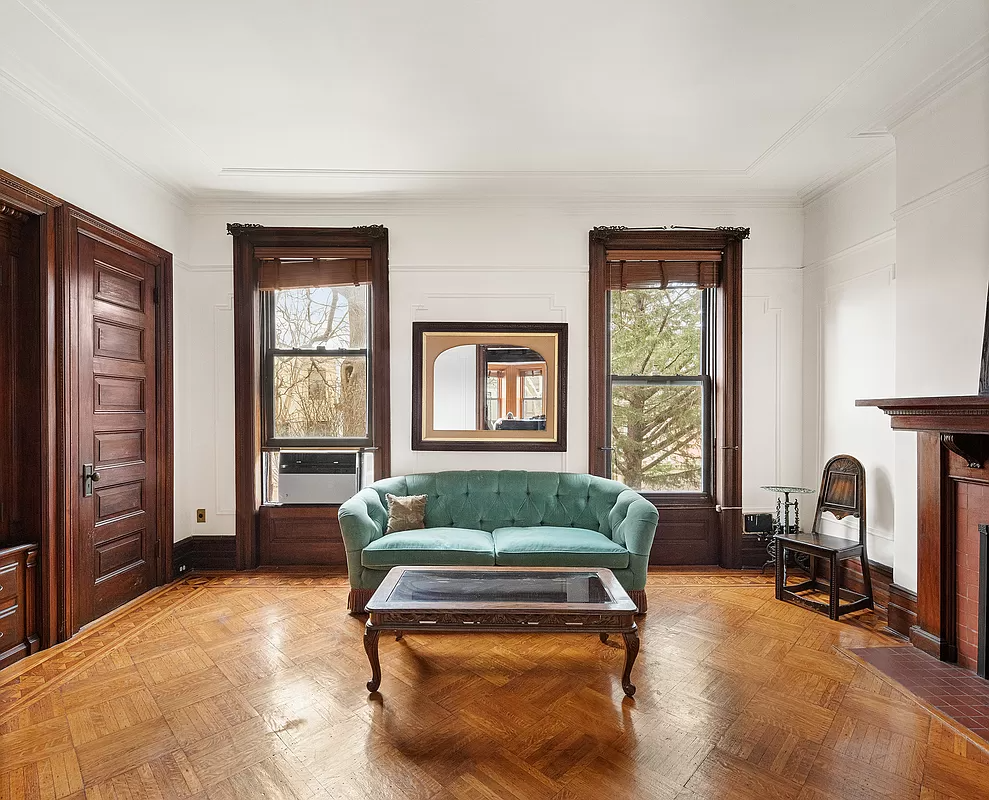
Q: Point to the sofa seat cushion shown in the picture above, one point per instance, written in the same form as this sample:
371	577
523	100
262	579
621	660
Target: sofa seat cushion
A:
433	547
551	546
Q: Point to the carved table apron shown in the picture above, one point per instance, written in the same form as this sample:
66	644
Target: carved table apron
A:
499	621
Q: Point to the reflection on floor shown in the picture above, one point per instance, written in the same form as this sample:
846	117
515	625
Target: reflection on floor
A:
252	685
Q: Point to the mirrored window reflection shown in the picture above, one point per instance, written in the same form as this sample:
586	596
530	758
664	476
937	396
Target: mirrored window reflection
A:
489	387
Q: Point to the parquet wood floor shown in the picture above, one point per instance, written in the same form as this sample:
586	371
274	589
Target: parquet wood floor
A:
252	685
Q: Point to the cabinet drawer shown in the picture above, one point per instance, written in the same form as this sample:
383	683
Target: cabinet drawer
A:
11	628
9	579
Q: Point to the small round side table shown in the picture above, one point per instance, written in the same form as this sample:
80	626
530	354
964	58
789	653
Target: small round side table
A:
782	524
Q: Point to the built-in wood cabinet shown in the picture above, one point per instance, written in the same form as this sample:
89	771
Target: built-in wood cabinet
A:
18	604
309	535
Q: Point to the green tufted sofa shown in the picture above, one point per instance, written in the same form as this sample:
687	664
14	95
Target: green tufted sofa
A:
506	518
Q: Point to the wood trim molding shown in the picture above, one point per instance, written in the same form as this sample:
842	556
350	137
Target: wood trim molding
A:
32	202
204	553
247	357
727	487
901	611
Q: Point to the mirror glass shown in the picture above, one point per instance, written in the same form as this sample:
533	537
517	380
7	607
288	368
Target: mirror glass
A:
496	387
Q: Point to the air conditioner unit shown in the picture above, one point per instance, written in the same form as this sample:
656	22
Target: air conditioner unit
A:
317	476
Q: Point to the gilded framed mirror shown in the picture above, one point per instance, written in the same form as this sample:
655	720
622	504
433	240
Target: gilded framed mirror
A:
489	386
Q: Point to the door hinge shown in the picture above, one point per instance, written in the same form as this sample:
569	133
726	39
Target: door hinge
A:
155	296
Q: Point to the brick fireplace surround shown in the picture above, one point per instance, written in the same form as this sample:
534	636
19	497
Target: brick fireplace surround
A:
952	502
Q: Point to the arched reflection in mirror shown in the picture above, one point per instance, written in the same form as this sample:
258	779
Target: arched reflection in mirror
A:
489	387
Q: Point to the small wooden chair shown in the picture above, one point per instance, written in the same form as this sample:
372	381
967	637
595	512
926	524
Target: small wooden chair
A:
843	495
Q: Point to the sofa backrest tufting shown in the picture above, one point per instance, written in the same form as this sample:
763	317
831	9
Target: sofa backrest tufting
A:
489	499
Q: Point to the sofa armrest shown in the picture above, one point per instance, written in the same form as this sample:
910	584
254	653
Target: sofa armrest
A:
633	522
362	520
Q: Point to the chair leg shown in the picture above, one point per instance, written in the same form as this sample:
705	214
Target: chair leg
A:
867	578
835	587
813	569
780	569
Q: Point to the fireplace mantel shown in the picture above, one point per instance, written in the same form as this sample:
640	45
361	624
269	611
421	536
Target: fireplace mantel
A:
967	413
952	446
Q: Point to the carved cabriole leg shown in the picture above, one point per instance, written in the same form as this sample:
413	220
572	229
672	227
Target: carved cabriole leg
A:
604	637
371	648
398	636
631	651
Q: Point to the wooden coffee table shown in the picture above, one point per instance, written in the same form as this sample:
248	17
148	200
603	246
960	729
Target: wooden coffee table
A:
504	600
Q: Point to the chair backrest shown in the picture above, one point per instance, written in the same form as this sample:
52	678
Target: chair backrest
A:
843	492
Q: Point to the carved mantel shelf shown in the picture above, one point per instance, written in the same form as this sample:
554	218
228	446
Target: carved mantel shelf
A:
951	424
954	414
961	420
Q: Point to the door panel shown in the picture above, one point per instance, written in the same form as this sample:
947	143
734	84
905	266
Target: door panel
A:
116	542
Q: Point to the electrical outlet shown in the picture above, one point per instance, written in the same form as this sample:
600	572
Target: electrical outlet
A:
200	515
181	567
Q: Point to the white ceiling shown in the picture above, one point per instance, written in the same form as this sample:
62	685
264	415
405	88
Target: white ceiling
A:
633	98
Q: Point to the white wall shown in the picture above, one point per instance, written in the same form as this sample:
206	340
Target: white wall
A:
896	271
458	262
849	341
942	269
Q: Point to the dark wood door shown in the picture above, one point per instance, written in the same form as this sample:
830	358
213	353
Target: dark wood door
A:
116	540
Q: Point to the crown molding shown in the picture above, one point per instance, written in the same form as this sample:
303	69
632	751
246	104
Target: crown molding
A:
105	70
828	184
880	57
938	83
420	205
21	91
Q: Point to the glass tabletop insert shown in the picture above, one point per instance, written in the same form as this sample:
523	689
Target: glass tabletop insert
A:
448	586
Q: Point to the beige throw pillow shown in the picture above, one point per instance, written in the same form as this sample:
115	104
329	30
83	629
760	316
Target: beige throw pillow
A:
406	513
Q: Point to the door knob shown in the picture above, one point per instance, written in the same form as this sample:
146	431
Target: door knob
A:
89	477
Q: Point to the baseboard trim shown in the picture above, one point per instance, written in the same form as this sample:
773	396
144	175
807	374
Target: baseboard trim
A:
203	553
902	610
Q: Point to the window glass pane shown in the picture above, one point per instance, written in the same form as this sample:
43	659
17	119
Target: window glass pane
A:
657	439
656	332
331	317
320	396
533	385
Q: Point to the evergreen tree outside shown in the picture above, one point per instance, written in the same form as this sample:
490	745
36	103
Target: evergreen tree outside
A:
657	437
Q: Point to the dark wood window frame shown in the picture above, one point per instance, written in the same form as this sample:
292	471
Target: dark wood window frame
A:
722	501
248	354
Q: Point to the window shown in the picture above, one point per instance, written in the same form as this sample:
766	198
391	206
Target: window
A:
317	365
532	393
660	385
494	397
310	320
664	410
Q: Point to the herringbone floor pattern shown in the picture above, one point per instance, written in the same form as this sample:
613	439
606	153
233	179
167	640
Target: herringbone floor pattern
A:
252	686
